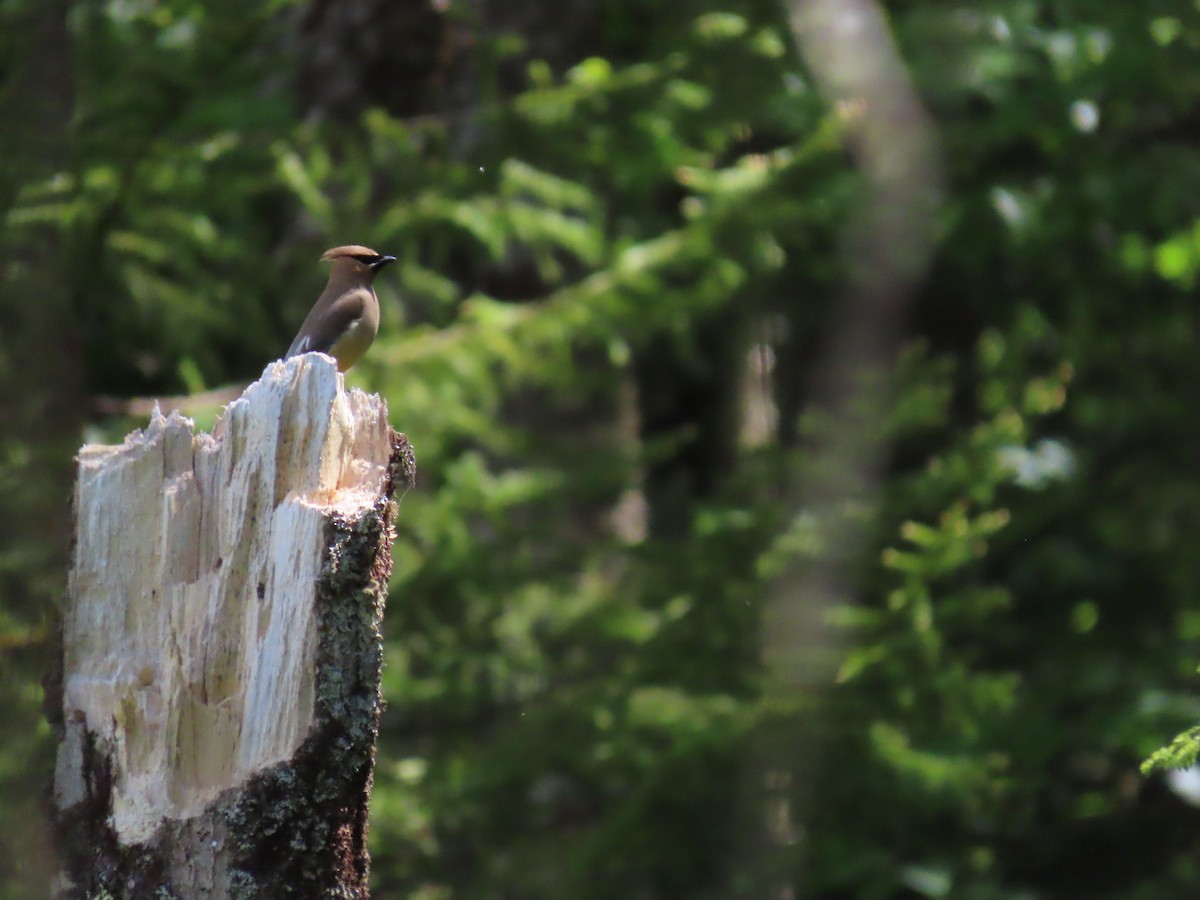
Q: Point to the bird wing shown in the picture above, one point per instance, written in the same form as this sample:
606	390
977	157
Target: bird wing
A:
299	345
324	326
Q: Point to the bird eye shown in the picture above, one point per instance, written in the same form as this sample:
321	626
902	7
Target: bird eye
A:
366	260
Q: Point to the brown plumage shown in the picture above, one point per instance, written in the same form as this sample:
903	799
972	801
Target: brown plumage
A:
345	318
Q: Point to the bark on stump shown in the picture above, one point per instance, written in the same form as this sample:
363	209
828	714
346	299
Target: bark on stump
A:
221	647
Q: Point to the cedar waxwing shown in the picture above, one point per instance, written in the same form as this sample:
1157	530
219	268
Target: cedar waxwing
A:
345	317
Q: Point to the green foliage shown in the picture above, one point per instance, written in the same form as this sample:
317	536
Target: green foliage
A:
1178	754
613	270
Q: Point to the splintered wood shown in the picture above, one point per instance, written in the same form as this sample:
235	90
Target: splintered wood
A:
191	637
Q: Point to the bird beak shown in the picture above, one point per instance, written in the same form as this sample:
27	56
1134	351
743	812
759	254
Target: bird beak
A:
382	261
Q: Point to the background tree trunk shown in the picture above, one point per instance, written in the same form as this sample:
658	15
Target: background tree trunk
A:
222	650
43	401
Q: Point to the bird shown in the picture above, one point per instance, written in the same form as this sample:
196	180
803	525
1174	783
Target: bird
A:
345	318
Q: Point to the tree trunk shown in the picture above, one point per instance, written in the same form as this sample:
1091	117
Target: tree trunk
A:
221	647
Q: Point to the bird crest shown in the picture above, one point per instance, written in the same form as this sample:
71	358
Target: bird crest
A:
356	251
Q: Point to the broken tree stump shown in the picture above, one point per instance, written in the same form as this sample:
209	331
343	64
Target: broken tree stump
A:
221	647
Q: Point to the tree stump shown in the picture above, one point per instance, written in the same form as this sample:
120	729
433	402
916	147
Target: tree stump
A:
221	647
